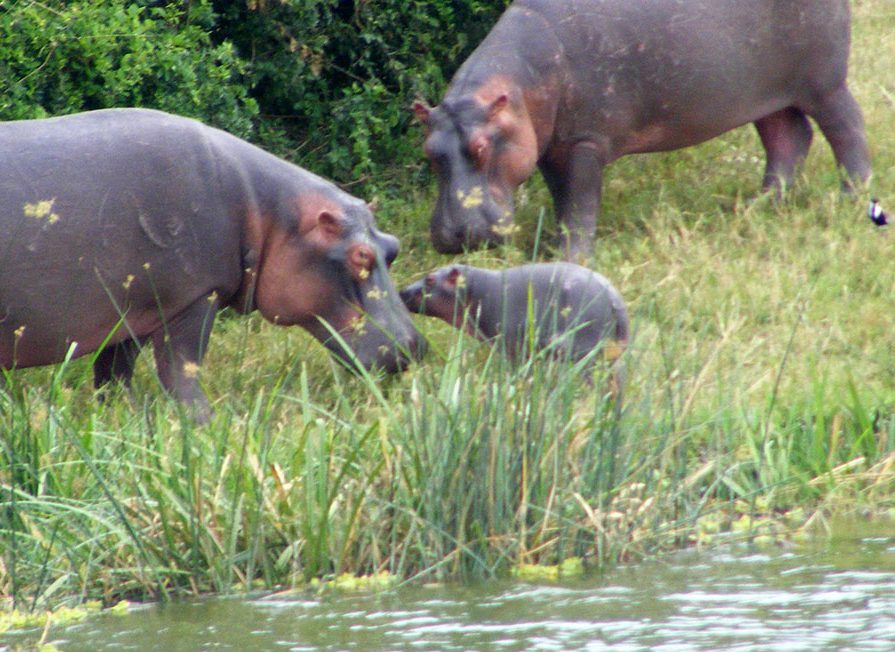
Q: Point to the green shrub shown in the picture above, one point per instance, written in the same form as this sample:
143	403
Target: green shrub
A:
333	80
60	57
339	76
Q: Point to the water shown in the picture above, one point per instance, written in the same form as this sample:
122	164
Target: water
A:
838	596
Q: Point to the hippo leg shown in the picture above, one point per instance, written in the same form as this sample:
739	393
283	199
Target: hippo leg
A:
575	183
839	118
179	348
786	136
116	362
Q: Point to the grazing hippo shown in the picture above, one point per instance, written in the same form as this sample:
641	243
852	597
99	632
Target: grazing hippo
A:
490	304
127	225
571	85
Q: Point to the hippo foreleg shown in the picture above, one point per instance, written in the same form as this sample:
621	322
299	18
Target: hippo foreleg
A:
839	118
575	183
179	347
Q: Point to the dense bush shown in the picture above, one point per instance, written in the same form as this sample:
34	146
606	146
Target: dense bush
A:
339	76
333	79
58	56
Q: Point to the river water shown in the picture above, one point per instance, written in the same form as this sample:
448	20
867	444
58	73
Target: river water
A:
839	595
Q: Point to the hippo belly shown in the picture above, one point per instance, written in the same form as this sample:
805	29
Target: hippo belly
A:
108	245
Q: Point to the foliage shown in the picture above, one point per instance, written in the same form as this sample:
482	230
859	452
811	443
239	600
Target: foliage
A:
61	57
327	83
340	75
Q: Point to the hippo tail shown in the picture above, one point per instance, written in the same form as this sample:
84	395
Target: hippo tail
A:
614	350
622	324
619	341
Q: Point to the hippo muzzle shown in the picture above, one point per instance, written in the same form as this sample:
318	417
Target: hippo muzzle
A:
466	220
382	335
377	350
412	296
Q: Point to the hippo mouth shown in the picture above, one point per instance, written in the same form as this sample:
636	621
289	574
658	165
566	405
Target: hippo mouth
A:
367	346
485	231
388	357
463	238
467	220
412	297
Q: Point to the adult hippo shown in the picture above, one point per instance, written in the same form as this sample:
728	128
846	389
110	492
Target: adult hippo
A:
571	85
128	225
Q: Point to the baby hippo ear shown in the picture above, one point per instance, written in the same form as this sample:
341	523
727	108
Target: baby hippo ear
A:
361	259
454	278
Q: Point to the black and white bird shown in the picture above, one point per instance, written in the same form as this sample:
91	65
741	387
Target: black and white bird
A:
876	214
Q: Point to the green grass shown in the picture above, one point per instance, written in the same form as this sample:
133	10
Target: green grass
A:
760	397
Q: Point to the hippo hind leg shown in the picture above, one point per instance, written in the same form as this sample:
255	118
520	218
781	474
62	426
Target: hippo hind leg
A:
116	363
839	118
179	347
786	136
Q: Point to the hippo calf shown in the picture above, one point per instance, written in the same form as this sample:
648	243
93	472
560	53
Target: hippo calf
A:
128	225
573	308
571	85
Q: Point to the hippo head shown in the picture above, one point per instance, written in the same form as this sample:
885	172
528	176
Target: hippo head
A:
329	274
441	294
480	148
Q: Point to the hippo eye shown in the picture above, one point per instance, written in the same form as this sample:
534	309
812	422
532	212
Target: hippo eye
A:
479	148
430	282
361	260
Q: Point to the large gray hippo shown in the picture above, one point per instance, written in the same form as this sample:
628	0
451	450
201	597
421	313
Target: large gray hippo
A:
127	225
571	85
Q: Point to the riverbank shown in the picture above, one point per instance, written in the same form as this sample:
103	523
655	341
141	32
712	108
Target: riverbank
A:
759	399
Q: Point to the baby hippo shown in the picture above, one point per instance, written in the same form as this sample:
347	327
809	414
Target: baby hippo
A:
572	306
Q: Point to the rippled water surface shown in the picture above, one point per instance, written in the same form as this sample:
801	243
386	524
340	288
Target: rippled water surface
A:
834	597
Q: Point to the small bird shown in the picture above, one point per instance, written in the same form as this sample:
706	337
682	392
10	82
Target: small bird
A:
876	214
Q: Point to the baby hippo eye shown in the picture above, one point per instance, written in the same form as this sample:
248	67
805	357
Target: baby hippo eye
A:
430	282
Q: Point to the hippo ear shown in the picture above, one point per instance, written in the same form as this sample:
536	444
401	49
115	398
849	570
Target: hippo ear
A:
422	111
